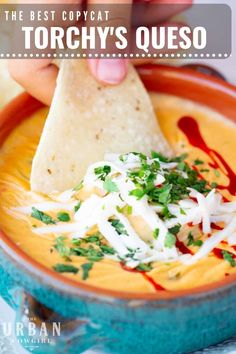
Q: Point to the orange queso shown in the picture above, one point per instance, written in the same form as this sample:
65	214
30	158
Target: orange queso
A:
207	138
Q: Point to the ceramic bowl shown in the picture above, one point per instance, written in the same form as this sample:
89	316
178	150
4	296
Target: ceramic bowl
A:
111	321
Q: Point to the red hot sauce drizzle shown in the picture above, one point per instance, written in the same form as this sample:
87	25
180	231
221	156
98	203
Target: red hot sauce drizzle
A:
190	128
218	253
181	246
155	285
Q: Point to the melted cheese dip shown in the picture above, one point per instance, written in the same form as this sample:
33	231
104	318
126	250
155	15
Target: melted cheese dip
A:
15	165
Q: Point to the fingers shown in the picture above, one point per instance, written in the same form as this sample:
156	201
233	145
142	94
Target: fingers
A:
37	76
112	71
109	71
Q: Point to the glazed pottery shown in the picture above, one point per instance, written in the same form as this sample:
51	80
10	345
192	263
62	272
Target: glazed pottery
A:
111	321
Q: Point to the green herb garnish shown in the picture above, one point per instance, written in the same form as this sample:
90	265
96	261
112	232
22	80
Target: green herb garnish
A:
77	206
167	214
102	172
229	258
175	229
198	162
182	212
62	248
156	233
110	186
126	209
217	173
138	193
192	241
86	267
119	227
204	170
63	216
198	243
93	238
40	215
144	267
91	253
170	240
78	187
107	250
160	157
65	268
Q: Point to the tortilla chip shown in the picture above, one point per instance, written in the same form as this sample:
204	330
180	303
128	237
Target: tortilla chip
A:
87	120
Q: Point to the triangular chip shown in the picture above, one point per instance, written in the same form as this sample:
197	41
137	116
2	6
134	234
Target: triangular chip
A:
87	120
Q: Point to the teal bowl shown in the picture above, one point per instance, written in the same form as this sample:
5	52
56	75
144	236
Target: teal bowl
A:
56	315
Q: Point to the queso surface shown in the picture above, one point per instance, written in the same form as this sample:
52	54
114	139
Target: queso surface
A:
15	166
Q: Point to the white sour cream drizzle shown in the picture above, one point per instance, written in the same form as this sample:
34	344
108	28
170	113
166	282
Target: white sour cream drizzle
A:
97	211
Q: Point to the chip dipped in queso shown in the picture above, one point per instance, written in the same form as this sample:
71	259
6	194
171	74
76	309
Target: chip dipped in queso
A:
136	222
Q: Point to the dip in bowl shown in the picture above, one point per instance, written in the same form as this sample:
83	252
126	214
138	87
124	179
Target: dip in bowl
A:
169	306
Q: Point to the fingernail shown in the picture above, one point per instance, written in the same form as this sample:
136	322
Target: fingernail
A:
111	71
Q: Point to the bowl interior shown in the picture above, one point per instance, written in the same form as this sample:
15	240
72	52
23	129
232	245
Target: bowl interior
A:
183	82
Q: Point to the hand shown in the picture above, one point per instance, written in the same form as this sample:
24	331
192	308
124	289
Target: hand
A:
38	76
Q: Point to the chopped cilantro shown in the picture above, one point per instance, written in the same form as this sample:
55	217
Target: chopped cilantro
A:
144	267
164	194
217	173
126	209
110	186
102	172
123	158
86	267
107	250
77	206
62	248
129	209
214	185
229	258
182	211
138	193
160	157
181	166
179	158
167	214
175	229
93	238
63	216
198	243
65	268
190	239
76	241
78	187
40	215
198	162
192	242
91	253
204	170
142	157
156	233
119	227
170	240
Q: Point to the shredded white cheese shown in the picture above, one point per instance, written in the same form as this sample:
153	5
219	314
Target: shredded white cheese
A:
99	209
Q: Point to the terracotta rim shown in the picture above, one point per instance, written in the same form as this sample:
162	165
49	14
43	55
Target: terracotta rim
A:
182	82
